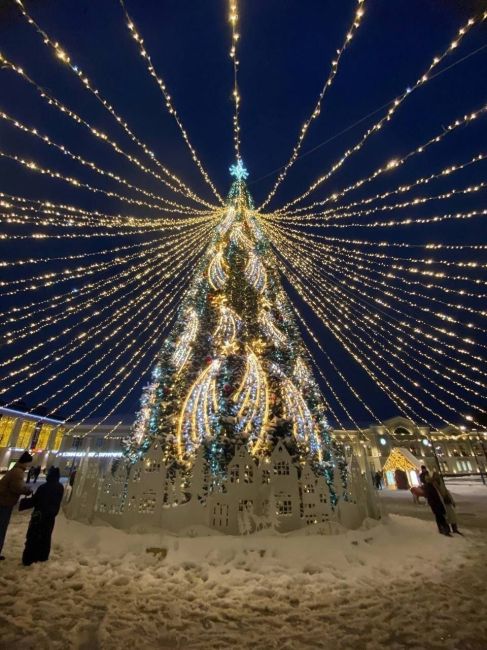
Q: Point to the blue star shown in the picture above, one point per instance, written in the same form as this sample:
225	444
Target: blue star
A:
239	170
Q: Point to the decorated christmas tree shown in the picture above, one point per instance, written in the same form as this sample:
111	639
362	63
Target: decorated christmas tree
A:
234	371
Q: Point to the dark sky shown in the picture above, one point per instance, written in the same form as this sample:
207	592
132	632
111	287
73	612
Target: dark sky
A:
285	50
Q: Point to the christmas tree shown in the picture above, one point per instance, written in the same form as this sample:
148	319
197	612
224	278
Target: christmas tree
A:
234	370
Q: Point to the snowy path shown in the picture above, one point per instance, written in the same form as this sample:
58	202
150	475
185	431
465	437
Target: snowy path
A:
397	585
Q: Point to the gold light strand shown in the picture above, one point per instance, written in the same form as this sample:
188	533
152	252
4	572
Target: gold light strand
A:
12	336
344	339
95	332
55	277
390	322
62	55
50	339
36	167
445	332
359	12
423	79
393	163
158	309
178	187
167	97
322	219
308	237
91	165
373	318
233	18
393	353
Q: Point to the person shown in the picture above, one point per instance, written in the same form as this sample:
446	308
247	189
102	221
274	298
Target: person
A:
423	474
46	503
448	502
378	480
35	472
437	506
12	486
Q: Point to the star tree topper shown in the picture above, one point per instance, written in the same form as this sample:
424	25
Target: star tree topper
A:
239	171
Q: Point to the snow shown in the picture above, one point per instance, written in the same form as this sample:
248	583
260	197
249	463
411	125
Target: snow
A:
394	584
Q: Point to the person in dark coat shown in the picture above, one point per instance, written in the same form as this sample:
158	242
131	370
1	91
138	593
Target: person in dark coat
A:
46	503
437	506
12	487
423	474
35	472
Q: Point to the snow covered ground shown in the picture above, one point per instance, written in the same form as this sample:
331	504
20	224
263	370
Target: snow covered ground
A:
394	585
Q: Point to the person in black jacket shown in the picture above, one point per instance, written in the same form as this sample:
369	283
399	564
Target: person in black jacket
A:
437	506
46	503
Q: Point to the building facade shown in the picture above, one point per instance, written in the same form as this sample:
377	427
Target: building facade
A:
455	450
53	442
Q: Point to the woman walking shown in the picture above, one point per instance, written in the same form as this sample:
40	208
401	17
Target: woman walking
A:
46	503
448	502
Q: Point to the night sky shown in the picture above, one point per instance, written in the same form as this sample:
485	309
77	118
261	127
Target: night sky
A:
285	52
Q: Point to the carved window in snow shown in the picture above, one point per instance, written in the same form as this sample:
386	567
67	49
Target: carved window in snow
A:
248	474
323	498
147	502
281	468
308	488
220	515
234	474
152	466
266	476
284	506
245	504
136	475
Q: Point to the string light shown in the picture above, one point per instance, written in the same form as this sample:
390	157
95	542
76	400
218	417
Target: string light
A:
62	55
324	217
233	18
359	12
179	186
91	165
62	333
423	79
373	315
36	167
14	336
167	97
114	317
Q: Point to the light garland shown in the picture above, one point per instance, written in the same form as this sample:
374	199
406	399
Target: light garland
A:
233	18
423	79
167	98
393	163
62	56
334	288
53	338
359	12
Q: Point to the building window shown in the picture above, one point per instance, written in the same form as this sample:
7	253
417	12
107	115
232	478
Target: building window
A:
25	434
44	435
76	442
7	425
463	451
308	488
100	443
266	476
284	507
58	439
234	474
281	468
